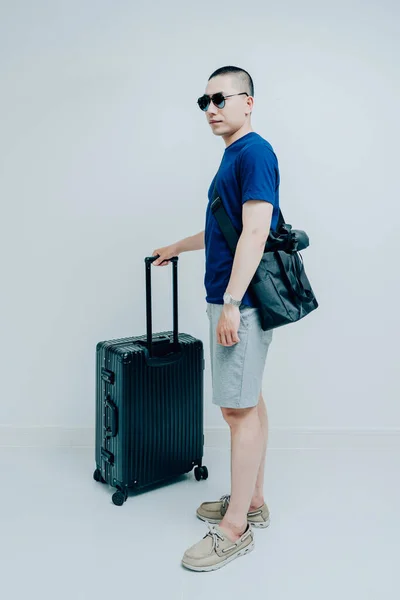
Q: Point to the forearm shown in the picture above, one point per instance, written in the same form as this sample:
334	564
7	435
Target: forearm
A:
194	242
249	251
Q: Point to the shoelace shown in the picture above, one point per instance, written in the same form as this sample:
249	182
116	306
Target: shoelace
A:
214	534
225	500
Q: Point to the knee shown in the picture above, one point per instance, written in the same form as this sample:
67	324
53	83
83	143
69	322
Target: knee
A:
236	416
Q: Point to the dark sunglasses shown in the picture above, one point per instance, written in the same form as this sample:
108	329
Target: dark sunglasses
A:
218	99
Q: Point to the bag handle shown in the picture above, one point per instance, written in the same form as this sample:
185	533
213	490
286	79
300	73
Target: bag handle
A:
148	262
305	293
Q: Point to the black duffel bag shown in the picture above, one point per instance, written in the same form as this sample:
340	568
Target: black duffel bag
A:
280	287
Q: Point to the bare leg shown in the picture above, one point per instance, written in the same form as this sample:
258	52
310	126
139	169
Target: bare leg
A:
247	444
258	495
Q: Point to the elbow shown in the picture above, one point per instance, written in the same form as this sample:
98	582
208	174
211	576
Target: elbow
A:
256	236
259	237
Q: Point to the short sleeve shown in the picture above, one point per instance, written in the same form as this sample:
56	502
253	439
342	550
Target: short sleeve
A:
258	168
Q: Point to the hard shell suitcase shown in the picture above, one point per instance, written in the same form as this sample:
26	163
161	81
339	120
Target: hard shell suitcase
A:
149	405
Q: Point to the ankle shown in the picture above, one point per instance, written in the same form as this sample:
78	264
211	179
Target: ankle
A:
256	502
233	528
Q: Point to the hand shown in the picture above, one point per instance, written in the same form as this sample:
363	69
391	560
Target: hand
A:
228	325
164	254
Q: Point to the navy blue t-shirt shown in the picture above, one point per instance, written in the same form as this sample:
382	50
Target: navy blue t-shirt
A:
248	171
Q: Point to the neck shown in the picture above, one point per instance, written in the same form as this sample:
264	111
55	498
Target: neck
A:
244	130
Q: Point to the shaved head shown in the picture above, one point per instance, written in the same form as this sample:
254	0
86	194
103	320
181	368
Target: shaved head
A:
241	79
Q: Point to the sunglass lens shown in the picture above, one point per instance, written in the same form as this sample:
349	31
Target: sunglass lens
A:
204	102
219	100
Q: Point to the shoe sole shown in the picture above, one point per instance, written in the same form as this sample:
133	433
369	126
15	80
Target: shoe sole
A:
217	566
257	525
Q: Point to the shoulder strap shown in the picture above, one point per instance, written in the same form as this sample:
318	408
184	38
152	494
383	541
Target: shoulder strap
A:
230	233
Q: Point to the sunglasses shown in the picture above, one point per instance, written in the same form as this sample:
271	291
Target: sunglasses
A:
218	99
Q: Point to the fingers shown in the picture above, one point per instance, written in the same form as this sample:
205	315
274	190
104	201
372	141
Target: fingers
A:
161	260
227	338
164	255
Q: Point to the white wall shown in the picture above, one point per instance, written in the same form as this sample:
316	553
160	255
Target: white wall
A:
106	156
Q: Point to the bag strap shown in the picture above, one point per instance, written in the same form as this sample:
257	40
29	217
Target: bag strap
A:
232	239
225	223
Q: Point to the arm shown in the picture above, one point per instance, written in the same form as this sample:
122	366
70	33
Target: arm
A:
194	242
257	215
259	176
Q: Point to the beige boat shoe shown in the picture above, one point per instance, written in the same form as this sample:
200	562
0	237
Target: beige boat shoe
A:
213	512
216	549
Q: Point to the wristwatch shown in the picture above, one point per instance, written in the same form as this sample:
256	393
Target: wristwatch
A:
229	300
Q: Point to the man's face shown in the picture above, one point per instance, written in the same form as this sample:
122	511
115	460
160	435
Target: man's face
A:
233	116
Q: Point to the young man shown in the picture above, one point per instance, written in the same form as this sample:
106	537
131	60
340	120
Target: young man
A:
248	184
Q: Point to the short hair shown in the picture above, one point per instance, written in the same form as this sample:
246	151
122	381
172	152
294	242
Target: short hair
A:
242	77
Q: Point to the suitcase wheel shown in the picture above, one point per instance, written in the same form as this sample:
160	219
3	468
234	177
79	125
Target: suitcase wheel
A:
119	498
201	473
97	476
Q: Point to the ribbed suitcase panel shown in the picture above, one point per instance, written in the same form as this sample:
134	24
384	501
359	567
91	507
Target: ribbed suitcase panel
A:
160	412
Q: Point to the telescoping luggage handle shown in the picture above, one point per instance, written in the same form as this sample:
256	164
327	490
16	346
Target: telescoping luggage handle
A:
148	262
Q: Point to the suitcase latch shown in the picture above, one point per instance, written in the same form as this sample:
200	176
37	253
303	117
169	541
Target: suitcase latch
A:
107	375
107	456
111	418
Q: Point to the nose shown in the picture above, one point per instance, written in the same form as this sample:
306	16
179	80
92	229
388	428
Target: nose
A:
212	110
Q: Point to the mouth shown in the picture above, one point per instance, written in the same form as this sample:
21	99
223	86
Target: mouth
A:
214	122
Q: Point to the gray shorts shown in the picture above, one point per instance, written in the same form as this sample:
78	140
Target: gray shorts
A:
237	370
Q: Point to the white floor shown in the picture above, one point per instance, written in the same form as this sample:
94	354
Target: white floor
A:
334	533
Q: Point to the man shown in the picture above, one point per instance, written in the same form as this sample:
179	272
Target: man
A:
248	184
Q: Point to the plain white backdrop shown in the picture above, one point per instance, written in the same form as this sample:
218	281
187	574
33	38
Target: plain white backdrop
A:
105	156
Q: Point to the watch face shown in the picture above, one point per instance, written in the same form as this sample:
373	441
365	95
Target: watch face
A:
226	298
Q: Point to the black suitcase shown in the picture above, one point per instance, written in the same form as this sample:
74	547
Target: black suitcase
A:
149	405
